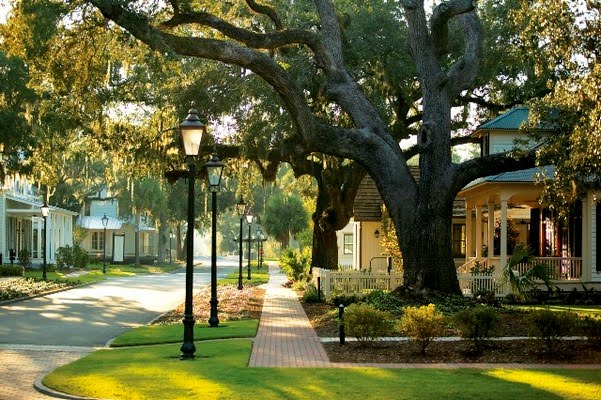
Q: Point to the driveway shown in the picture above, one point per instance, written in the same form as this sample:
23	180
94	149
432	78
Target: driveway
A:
40	334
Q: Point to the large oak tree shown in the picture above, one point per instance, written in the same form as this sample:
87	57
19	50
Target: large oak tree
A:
421	211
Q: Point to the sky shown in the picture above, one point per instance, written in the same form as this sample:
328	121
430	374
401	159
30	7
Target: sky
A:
4	9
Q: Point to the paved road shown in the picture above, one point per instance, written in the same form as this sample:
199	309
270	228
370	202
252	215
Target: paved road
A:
37	335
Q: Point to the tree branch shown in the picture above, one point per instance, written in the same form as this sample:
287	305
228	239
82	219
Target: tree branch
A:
456	141
464	71
441	15
251	39
266	10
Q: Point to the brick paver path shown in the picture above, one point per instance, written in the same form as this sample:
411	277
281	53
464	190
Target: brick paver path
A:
285	337
21	365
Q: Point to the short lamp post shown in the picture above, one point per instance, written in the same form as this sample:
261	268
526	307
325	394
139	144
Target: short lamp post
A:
214	171
249	219
105	222
45	212
192	131
241	210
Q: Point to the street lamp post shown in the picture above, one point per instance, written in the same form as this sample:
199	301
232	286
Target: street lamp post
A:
192	131
249	219
105	222
214	170
45	212
170	245
261	238
241	210
258	247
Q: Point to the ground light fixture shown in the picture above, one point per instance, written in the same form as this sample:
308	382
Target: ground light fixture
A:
214	169
45	210
192	132
241	211
249	219
105	222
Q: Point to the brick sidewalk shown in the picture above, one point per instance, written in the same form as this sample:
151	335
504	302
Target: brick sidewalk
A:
285	337
21	365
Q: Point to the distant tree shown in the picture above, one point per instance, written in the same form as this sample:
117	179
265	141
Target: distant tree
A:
284	217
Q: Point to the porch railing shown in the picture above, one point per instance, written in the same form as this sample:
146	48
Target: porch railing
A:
560	269
354	282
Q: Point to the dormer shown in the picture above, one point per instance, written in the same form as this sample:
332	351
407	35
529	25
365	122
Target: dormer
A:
499	134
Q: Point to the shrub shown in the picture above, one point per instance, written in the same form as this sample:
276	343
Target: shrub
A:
550	326
24	258
476	323
591	328
385	301
367	323
422	324
295	264
337	298
72	257
310	294
11	270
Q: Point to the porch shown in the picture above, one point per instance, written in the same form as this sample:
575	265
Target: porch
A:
486	274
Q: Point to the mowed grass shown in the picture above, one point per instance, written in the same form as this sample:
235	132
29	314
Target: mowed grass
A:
582	310
258	276
220	371
173	333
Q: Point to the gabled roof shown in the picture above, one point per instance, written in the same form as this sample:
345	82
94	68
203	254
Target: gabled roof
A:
511	120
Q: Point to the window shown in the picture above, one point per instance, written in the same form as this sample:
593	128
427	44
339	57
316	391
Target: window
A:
458	240
97	241
348	243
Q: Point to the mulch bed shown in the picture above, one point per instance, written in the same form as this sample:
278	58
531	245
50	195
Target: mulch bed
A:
233	304
323	317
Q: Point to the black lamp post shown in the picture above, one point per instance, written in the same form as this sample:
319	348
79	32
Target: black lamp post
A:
170	245
214	170
241	210
249	219
258	247
192	131
261	239
45	212
105	222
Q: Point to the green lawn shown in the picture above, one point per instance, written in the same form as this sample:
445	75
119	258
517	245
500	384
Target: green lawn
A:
258	276
591	311
219	372
172	333
92	276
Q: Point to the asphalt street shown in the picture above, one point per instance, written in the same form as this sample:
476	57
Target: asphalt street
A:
39	334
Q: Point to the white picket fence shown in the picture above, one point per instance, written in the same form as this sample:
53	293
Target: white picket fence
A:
354	282
471	284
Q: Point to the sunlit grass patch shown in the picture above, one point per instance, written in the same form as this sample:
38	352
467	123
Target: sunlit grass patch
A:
173	333
554	382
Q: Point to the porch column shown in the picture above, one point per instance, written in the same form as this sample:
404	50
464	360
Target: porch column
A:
478	231
491	230
587	262
468	232
503	249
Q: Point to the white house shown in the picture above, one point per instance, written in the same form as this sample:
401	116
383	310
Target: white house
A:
22	224
116	240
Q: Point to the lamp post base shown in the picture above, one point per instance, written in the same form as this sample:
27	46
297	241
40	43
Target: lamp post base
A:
214	320
188	348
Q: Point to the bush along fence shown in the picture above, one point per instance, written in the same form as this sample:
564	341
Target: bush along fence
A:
332	282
